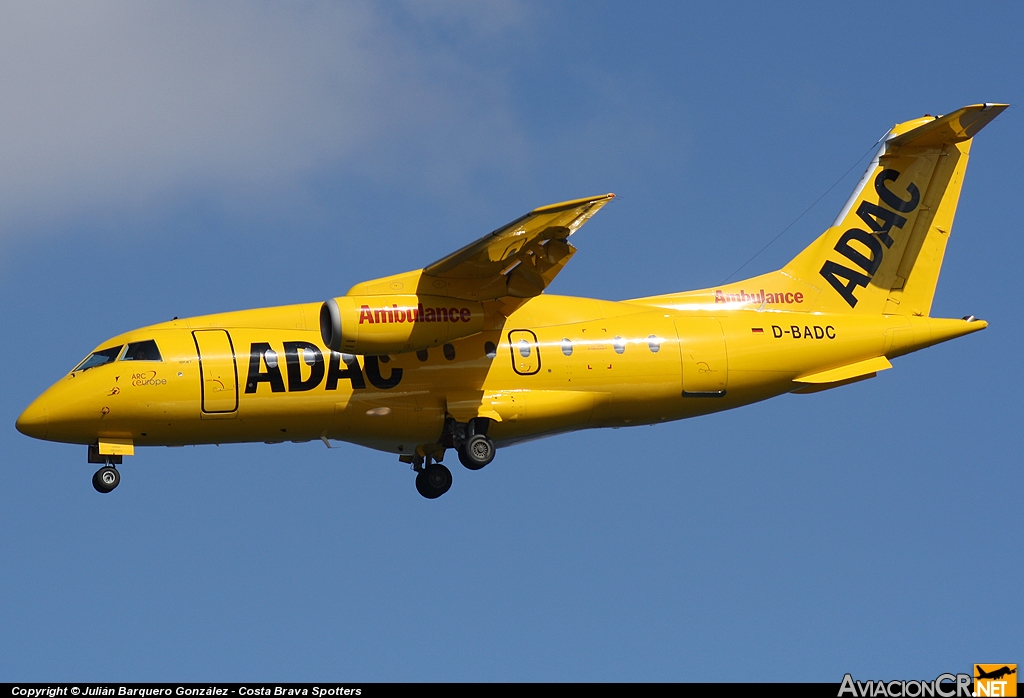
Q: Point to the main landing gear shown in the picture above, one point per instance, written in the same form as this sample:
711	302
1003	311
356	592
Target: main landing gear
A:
106	478
471	442
476	451
432	479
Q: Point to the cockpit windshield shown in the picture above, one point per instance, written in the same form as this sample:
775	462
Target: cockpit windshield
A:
98	358
142	351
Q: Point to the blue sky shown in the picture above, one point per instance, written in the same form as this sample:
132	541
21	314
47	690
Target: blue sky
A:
192	158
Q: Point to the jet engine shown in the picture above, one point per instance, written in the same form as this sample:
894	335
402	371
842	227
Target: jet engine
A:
393	324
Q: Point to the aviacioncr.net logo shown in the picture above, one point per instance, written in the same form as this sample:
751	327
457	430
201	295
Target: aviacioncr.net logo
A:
943	686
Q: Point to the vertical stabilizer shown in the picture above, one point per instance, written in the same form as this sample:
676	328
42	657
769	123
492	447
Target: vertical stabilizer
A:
884	250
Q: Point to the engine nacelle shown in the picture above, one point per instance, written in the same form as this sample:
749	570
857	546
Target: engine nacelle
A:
378	325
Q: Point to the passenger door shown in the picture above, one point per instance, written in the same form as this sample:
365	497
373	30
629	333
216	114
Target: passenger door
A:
218	372
703	353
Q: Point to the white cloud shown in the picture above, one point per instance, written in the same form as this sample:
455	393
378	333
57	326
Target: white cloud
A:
113	105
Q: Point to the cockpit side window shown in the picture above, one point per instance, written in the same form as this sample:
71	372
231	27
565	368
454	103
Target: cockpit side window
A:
98	358
142	351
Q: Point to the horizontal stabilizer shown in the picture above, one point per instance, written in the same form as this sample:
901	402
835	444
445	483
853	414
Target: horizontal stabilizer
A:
844	373
955	127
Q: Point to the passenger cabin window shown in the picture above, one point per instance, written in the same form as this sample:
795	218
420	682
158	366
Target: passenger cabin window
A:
98	358
142	351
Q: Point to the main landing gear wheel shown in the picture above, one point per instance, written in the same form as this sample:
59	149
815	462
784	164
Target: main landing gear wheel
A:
433	481
106	479
476	452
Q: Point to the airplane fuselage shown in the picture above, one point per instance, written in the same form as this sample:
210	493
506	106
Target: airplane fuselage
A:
556	364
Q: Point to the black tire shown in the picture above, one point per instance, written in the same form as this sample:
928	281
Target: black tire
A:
434	481
476	452
106	479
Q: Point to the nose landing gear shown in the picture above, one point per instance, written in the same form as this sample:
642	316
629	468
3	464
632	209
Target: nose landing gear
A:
106	478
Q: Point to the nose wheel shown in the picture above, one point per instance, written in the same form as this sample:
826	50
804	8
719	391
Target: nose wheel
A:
106	479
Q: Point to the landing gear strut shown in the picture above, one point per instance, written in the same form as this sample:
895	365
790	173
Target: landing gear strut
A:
106	478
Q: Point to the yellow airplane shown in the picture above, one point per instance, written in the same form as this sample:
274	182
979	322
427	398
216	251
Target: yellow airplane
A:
470	354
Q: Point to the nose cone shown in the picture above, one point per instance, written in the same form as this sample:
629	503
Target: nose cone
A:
34	421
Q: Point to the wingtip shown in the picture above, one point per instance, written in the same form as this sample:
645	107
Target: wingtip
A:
561	205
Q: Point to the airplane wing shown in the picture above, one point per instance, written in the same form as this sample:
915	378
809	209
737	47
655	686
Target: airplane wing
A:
516	261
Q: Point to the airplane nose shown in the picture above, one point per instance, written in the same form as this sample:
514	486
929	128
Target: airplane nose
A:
34	421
